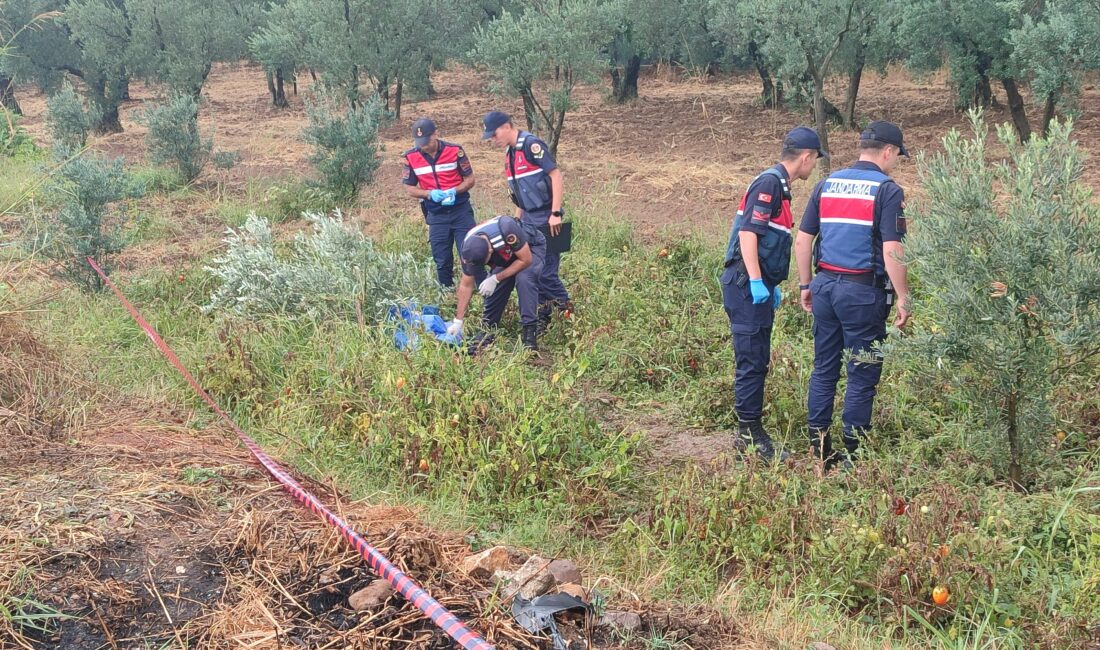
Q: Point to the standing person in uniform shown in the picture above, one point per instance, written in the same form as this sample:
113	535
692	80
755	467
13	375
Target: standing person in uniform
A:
856	216
757	260
439	174
535	184
514	253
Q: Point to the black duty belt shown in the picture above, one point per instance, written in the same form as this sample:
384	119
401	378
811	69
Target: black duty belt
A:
869	278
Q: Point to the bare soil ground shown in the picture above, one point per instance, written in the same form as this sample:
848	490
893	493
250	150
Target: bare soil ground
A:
674	161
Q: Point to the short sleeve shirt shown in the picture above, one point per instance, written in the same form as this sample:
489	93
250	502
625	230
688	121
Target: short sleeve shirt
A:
763	201
538	154
889	208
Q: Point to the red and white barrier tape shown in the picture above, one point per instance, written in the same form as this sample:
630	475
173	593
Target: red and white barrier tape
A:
405	585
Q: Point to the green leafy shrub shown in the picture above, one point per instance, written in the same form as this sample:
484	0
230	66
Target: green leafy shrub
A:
14	140
174	138
85	186
345	142
333	271
69	122
1008	256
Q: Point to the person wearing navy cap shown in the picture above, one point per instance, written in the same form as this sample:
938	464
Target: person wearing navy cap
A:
535	185
851	234
757	260
514	252
440	176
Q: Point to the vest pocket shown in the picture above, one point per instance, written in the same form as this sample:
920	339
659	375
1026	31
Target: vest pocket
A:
775	255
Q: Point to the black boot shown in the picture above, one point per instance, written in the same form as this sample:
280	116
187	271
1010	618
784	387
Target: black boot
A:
821	447
479	342
752	433
531	337
543	324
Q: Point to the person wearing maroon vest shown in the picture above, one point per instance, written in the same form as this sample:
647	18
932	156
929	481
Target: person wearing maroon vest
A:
439	174
758	259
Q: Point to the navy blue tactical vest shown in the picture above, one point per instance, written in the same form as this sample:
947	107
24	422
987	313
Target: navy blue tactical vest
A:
848	240
527	182
774	248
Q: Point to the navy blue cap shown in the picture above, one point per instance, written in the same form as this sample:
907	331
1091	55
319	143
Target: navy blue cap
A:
492	121
422	131
883	131
475	250
803	137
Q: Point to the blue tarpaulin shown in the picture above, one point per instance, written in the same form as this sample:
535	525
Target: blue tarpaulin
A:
413	320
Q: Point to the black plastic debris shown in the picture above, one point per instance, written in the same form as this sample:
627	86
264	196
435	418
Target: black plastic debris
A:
537	616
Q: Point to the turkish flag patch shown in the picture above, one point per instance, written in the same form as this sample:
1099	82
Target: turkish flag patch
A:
765	198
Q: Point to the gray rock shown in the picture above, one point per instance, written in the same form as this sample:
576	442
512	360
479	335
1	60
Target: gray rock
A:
628	621
531	580
565	571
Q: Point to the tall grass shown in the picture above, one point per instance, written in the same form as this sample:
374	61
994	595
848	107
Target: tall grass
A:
549	454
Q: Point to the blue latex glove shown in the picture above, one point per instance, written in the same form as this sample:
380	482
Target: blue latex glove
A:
449	197
778	298
759	290
437	196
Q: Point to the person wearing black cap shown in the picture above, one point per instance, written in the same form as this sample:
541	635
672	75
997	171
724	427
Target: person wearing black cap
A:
439	174
535	185
851	233
758	259
514	253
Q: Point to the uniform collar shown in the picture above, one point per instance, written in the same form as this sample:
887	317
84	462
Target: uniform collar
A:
867	165
782	170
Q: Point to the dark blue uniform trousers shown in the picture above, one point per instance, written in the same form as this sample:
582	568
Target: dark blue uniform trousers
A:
447	227
551	290
847	316
526	283
751	326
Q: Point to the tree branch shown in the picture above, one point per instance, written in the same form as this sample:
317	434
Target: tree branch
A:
827	61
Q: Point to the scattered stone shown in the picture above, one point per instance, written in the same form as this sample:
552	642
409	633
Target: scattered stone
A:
565	571
628	621
818	645
372	596
329	575
486	563
574	590
531	580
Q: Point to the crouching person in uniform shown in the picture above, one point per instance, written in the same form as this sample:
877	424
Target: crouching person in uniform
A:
514	253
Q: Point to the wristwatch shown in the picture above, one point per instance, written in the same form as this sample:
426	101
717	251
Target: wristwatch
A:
803	287
558	213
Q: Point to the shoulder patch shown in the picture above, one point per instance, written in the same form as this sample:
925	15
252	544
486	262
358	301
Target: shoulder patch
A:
536	150
510	240
765	198
461	153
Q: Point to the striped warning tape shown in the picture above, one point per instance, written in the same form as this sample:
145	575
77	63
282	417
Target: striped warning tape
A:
405	585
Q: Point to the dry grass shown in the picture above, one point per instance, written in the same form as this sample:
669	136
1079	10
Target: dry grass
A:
123	527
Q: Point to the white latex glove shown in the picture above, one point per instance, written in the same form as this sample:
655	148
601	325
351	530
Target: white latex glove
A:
488	285
455	328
